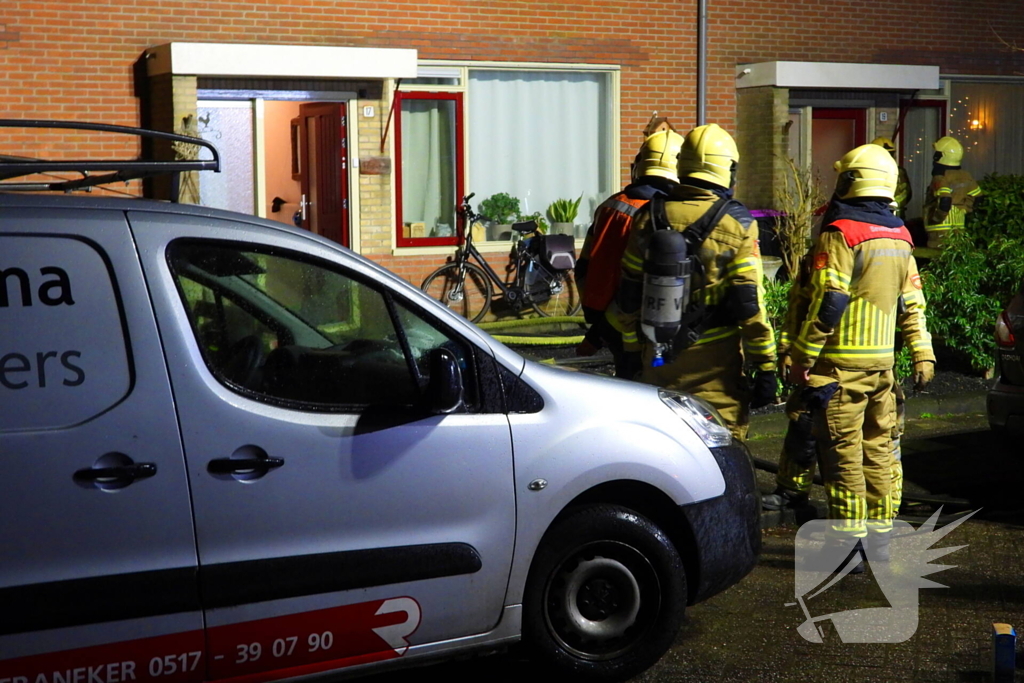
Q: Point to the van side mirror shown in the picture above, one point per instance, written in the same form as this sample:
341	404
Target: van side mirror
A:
444	390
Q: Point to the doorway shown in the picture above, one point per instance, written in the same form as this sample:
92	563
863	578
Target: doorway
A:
922	122
834	132
283	159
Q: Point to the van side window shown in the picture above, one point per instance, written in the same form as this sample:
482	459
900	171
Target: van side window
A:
282	327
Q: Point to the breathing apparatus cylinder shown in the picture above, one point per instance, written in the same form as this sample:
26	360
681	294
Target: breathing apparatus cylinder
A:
666	290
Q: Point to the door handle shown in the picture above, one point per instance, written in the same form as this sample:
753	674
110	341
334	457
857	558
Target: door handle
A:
238	465
121	474
303	205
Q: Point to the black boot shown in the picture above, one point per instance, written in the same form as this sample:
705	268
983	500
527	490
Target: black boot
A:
783	498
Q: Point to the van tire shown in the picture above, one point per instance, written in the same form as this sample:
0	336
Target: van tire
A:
605	596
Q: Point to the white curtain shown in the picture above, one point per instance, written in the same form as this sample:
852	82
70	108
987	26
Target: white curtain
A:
995	144
920	130
428	165
541	136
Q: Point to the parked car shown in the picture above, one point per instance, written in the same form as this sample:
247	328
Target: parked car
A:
1006	397
232	448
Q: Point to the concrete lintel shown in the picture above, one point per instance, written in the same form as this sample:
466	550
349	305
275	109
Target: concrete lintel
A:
298	61
839	75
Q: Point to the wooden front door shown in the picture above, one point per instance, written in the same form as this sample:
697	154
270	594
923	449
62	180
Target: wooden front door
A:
323	169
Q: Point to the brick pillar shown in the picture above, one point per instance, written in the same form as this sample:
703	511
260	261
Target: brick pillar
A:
171	99
763	140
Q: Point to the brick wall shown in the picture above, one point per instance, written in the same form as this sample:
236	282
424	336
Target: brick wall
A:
82	59
956	35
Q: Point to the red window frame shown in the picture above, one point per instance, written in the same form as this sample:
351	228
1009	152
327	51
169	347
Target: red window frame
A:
456	97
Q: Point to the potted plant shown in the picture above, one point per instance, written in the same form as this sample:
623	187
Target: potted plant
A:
563	215
500	209
542	225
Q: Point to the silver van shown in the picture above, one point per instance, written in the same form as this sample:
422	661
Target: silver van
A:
232	449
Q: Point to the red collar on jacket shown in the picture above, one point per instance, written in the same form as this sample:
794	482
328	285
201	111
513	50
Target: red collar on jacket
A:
856	232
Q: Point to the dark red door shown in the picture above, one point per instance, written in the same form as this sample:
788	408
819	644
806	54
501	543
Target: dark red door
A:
324	170
834	132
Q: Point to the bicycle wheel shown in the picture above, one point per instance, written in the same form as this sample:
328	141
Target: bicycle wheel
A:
469	297
565	298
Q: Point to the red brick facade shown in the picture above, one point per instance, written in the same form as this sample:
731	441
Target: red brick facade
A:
84	60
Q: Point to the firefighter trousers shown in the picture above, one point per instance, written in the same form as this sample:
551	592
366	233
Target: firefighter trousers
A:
712	372
797	466
855	432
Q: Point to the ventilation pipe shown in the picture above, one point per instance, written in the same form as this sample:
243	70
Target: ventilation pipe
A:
702	62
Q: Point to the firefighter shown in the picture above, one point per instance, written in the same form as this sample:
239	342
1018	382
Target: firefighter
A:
950	195
798	459
843	355
799	455
653	174
903	193
725	326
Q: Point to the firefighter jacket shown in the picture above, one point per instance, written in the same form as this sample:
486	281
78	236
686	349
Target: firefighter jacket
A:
598	268
860	269
950	198
731	286
911	318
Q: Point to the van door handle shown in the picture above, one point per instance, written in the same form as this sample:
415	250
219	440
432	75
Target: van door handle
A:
238	465
123	474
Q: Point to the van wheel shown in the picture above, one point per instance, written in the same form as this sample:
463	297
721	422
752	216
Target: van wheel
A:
606	594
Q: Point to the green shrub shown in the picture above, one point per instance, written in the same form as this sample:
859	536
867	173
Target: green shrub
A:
978	271
776	302
904	366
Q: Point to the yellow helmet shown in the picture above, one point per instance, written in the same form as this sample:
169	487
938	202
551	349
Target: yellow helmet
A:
658	155
709	153
886	144
866	171
948	151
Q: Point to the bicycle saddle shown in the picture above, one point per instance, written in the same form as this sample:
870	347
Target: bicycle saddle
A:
525	227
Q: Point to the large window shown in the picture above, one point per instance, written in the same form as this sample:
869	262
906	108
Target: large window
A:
537	134
541	136
988	119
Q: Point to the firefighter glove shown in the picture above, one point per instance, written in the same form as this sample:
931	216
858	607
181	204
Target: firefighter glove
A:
945	203
766	388
924	372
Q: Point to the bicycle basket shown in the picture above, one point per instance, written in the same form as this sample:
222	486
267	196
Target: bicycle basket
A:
557	252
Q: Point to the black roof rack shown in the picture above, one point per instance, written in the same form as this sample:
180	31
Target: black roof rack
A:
116	170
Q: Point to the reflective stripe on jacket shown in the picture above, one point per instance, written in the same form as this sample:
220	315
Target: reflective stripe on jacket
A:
958	185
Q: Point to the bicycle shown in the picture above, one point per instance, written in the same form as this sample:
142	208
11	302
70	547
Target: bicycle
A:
468	288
